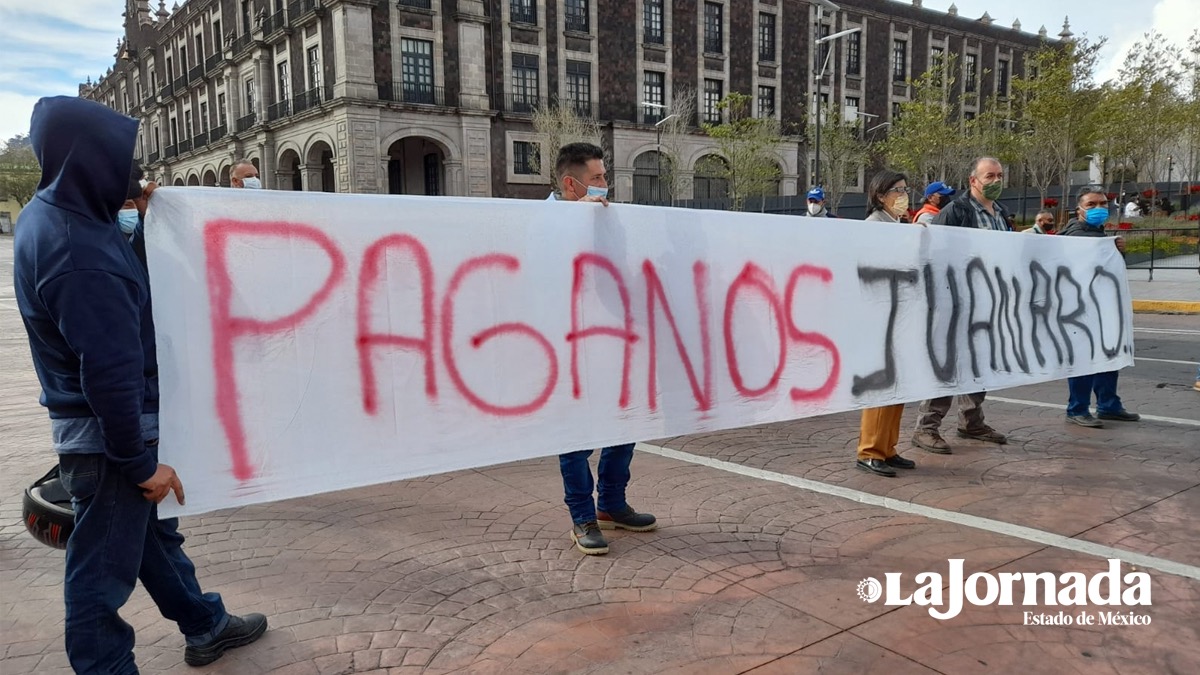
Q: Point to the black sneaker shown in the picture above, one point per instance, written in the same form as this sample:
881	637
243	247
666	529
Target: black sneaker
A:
1119	416
588	539
1085	420
626	519
898	462
239	631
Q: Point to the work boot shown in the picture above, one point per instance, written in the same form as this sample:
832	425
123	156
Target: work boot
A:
588	539
626	519
984	433
931	441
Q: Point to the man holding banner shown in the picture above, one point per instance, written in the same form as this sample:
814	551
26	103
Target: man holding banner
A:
979	209
580	174
84	298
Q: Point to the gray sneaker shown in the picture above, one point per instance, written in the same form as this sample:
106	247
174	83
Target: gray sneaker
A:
1085	420
588	539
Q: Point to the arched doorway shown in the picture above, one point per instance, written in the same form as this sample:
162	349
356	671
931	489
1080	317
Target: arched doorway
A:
193	180
178	182
651	173
319	166
416	166
710	181
210	179
287	176
224	172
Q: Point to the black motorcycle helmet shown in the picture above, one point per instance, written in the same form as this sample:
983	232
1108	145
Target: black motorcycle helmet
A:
46	510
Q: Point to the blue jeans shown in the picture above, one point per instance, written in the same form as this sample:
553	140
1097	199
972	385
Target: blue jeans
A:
577	481
1081	388
118	539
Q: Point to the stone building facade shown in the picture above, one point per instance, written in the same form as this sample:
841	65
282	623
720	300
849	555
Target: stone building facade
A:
435	96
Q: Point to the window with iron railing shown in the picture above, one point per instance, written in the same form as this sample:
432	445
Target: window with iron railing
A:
899	60
577	16
523	11
416	70
525	158
417	4
714	30
652	21
713	90
653	94
766	36
854	53
1002	79
525	87
766	101
579	87
971	78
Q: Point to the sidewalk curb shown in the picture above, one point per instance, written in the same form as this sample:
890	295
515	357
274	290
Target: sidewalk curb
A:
1165	307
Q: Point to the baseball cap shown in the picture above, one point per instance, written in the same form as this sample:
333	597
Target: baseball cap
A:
816	194
939	188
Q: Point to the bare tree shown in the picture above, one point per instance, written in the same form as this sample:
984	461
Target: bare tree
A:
559	125
674	131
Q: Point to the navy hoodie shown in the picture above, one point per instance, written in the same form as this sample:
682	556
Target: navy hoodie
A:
84	296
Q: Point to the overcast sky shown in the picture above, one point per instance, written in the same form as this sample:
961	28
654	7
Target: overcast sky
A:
48	47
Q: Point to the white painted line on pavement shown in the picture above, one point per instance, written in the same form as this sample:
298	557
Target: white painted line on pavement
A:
1063	407
1182	363
977	522
1166	331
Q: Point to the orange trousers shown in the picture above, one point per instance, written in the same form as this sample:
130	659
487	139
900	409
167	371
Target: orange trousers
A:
879	431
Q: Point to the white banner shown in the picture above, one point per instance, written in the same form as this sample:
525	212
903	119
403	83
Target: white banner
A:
312	342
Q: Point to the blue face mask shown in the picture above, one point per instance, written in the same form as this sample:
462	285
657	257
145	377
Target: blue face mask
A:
1096	216
127	220
594	191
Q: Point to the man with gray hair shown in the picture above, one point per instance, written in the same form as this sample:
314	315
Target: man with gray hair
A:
244	175
977	208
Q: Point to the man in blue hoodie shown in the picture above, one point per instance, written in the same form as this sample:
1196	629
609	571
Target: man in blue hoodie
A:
85	300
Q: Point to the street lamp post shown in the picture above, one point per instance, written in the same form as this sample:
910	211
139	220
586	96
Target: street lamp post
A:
821	6
1170	171
658	149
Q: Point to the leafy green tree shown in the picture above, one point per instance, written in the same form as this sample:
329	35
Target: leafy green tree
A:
844	151
19	173
925	141
749	146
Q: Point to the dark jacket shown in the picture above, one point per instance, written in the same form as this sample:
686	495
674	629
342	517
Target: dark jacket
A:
1078	228
961	213
83	295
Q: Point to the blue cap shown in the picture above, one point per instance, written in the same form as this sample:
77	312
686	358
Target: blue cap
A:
939	188
816	194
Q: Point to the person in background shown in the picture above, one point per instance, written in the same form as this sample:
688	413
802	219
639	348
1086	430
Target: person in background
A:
245	175
84	298
879	428
1043	223
1090	216
580	176
937	195
816	204
1133	209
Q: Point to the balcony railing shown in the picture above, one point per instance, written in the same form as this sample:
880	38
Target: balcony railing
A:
185	145
180	84
167	91
218	132
213	62
577	22
240	43
523	12
171	151
521	104
244	123
200	140
279	110
152	158
418	4
416	94
306	100
300	10
196	73
273	23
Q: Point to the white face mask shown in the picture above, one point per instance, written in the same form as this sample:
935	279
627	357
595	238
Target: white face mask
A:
814	208
127	220
252	183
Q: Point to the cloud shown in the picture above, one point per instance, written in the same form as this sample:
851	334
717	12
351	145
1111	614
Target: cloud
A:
48	48
1175	20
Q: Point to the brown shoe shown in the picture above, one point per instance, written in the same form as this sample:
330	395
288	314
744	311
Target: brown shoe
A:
931	441
984	433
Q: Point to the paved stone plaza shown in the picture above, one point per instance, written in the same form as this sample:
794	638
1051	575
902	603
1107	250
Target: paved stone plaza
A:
473	571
